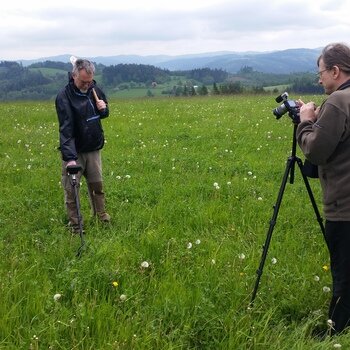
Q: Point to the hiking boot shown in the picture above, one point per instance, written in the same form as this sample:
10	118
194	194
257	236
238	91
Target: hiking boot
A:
104	217
97	201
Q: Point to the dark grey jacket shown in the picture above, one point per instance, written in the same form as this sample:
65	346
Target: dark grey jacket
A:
79	119
326	143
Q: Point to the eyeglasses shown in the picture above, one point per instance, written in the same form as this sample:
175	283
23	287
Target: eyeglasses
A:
319	74
85	83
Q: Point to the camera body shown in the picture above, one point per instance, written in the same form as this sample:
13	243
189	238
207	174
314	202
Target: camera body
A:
289	106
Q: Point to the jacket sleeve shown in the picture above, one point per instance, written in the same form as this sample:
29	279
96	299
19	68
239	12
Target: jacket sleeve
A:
319	140
66	127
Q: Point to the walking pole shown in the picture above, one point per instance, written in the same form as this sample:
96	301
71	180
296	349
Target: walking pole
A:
72	171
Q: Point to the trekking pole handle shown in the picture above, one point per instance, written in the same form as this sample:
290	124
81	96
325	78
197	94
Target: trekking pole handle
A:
73	169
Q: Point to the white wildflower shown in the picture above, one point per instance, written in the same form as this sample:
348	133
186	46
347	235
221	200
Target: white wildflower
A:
241	256
57	297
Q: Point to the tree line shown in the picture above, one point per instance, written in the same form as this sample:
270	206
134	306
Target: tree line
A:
43	80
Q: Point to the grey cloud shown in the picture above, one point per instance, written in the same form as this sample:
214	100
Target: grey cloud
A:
221	26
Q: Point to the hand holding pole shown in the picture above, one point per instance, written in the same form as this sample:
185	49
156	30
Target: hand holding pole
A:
99	103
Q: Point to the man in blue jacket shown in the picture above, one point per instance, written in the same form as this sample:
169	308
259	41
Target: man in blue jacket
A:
80	107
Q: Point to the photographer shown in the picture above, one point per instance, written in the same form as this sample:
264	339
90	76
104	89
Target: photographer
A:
80	107
324	137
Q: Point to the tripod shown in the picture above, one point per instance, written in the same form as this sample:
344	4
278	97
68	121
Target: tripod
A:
289	172
72	171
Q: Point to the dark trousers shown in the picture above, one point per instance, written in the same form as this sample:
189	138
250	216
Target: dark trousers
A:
338	242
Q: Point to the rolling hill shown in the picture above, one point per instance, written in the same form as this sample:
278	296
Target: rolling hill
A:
279	62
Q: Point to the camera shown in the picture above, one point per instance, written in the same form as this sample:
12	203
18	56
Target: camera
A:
289	106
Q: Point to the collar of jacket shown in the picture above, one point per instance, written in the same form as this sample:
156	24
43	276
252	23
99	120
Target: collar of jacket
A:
344	85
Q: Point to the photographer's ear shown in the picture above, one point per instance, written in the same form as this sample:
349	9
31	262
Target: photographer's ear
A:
335	72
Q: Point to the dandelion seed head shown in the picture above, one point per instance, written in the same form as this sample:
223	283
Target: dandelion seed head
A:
145	264
189	245
316	278
274	261
337	346
123	297
241	256
213	262
326	289
198	241
330	323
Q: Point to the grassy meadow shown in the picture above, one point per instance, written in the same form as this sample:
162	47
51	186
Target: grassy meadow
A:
190	184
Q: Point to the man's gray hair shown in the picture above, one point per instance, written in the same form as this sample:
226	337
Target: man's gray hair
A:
336	54
81	64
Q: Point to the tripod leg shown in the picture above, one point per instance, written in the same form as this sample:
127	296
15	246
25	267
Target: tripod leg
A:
311	196
289	167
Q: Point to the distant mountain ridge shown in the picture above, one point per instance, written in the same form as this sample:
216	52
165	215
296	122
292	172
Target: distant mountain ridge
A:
279	62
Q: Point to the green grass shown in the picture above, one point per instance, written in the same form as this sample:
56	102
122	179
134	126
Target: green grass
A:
161	160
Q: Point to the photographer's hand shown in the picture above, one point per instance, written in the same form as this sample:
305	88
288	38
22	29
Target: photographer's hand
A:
308	111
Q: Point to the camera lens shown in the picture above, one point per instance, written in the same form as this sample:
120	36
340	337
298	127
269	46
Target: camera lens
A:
279	111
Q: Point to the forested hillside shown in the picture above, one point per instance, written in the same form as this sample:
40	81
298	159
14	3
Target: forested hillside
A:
42	81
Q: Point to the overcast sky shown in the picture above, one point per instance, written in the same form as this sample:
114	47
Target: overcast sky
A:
35	28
